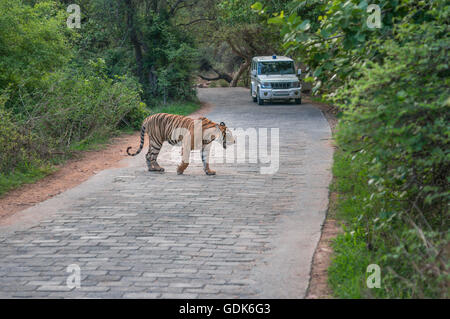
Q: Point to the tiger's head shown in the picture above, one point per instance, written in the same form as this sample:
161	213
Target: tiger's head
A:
225	137
219	133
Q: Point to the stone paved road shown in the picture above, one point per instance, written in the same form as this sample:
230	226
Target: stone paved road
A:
144	235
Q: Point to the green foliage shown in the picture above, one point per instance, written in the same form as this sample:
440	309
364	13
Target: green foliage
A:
26	173
395	137
347	272
333	39
17	143
21	152
213	84
140	38
223	83
47	108
74	105
33	42
177	107
171	55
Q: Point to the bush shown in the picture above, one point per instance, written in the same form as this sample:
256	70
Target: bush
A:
75	106
173	58
395	129
17	143
70	107
222	83
33	42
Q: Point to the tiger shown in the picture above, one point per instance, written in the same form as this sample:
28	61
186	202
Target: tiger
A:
172	128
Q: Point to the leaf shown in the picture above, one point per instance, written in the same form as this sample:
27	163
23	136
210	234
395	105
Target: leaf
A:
305	25
275	20
257	6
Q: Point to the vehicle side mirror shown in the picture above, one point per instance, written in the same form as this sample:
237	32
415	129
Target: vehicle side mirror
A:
253	72
299	72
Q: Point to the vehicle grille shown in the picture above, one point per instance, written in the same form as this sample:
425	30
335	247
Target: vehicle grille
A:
281	85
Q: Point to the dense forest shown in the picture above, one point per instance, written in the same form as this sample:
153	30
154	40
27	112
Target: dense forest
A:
63	89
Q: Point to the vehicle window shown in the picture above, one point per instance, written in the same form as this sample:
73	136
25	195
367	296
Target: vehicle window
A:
279	67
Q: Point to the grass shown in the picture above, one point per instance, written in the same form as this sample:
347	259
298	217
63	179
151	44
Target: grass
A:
32	173
24	175
180	108
347	272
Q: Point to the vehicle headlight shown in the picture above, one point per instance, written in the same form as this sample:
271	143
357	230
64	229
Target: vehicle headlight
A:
296	84
265	85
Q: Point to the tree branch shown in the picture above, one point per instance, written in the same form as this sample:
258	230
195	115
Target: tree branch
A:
236	50
194	21
174	8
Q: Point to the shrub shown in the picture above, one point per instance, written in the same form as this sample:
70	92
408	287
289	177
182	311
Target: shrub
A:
396	128
33	42
17	144
222	83
75	106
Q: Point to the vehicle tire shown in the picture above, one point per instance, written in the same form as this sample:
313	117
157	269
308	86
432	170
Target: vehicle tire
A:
298	101
251	93
260	101
255	99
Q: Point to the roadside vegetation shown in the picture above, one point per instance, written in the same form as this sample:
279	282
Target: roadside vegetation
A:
64	90
391	86
67	90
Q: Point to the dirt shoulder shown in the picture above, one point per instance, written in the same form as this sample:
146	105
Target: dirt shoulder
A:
318	285
73	172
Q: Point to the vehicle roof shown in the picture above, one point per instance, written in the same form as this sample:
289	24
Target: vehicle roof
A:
270	58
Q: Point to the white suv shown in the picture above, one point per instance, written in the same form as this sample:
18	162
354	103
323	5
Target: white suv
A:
274	78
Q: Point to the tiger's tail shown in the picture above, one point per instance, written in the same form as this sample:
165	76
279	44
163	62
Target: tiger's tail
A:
140	146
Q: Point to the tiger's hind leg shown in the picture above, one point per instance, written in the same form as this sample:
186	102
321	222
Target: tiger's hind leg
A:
151	156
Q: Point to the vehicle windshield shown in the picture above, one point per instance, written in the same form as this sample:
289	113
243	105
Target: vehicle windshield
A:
278	67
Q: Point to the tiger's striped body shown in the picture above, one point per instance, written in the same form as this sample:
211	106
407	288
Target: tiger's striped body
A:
177	129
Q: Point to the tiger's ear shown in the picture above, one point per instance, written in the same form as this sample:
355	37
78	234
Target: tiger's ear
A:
222	124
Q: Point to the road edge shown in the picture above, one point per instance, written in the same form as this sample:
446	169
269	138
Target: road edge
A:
39	191
318	287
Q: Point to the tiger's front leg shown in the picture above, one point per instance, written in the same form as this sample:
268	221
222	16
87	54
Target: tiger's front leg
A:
185	154
205	159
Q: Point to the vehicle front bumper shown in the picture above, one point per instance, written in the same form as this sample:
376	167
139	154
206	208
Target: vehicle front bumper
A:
280	94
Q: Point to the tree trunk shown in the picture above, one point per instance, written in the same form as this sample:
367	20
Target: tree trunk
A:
134	40
220	75
244	66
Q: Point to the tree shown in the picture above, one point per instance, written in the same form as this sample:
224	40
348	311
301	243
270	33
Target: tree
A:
33	42
334	39
237	35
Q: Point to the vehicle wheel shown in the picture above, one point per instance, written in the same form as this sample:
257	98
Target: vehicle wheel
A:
254	99
260	101
251	94
298	101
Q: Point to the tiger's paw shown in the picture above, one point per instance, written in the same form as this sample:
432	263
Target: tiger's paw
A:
181	168
210	172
